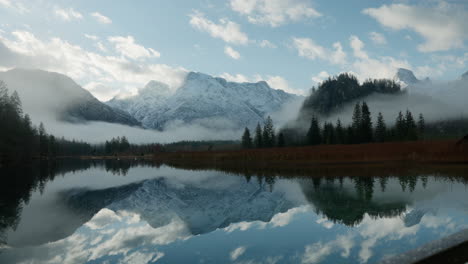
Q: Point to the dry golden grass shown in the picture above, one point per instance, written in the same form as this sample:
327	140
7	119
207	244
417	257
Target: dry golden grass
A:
420	152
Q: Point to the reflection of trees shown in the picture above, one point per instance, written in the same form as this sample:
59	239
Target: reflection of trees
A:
18	183
342	206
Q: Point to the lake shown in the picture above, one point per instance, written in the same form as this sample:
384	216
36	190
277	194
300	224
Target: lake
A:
140	212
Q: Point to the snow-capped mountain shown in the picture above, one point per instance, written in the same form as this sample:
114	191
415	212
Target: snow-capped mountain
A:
202	208
406	77
205	100
47	95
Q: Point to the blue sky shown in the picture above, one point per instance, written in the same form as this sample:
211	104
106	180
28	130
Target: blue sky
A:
115	47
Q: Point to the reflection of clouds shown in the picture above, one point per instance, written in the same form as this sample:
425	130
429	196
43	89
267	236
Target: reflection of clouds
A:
121	235
237	253
315	252
278	220
142	257
283	219
373	230
325	223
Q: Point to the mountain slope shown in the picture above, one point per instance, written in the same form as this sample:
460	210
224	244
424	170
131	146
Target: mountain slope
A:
46	95
204	100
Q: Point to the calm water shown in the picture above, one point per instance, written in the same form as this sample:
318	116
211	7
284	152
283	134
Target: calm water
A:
120	212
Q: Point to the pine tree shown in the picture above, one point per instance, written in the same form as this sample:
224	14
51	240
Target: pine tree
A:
15	103
356	124
314	134
328	133
400	127
258	140
43	144
380	129
340	133
421	126
281	142
124	145
366	124
268	133
246	139
411	128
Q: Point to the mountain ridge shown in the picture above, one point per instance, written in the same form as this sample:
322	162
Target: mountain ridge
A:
53	95
203	98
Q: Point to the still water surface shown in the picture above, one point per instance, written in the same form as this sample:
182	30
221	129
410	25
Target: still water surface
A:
109	212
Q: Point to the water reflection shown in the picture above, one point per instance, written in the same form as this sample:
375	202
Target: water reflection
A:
137	211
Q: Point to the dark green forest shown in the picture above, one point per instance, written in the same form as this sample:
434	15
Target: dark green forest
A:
361	130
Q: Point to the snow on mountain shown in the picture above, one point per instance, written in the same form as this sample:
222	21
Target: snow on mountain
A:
53	96
206	100
202	208
406	77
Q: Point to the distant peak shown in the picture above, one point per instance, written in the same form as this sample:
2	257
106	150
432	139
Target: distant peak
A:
406	76
465	76
198	76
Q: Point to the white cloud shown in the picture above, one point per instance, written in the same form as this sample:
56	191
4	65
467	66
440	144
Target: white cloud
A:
274	81
320	77
377	38
128	48
240	78
101	18
266	44
91	37
226	30
283	219
16	5
236	253
366	67
442	26
307	48
228	50
316	252
338	56
274	12
101	46
67	14
357	45
23	49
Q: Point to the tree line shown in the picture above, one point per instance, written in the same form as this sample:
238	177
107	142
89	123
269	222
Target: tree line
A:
361	130
264	137
20	139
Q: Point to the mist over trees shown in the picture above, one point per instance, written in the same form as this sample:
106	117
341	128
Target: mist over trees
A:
20	139
332	94
361	130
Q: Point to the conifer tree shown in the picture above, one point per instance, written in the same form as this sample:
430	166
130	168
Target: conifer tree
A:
258	140
281	142
314	136
340	133
380	129
268	133
246	139
411	128
356	125
366	124
328	133
421	126
400	127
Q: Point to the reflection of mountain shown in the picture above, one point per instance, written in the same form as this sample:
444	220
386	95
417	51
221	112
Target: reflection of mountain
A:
344	206
201	209
414	216
21	181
